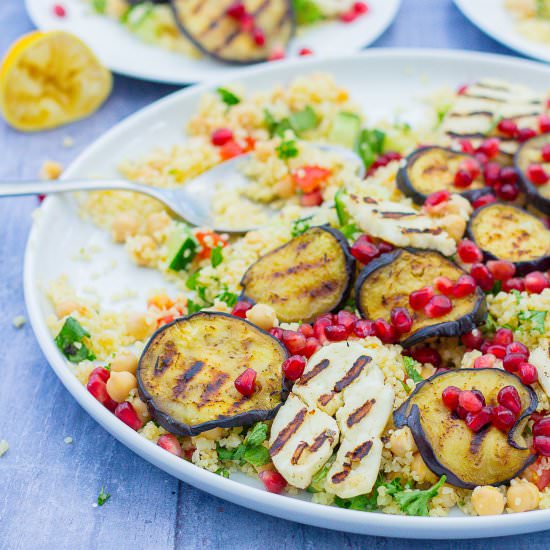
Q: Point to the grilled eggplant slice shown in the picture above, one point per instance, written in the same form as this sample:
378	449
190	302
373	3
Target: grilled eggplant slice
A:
187	371
310	275
208	26
449	447
529	153
431	169
505	232
387	282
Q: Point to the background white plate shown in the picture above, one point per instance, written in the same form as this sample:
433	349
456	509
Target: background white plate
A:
124	53
377	80
494	19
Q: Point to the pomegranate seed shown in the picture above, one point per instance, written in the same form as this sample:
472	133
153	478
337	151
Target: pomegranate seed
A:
306	330
348	16
473	339
384	247
491	173
463	179
501	270
544	124
486	361
427	355
276	54
337	333
319	328
246	381
273	482
59	10
481	158
461	412
240	309
294	367
519	348
276	332
513	284
484	346
436	198
221	136
477	421
247	22
312	345
545	152
542	427
390	156
40	198
236	10
444	285
541	444
498	351
315	198
528	373
258	36
305	51
363	250
450	397
98	388
482	276
464	286
466	146
360	8
503	337
104	374
479	395
536	282
419	298
462	89
488	198
507	127
507	191
346	319
470	401
364	328
537	174
502	418
384	331
512	361
468	252
525	134
401	319
490	147
294	341
472	167
508	175
126	412
170	443
438	306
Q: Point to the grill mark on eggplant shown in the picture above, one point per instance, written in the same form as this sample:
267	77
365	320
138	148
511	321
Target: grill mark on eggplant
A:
212	388
320	367
358	414
182	381
477	440
353	373
292	270
287	432
168	358
360	452
326	288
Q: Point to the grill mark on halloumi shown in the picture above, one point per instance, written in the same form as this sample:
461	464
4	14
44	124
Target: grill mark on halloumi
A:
302	446
212	388
317	369
182	381
318	442
360	452
358	414
167	359
353	373
286	433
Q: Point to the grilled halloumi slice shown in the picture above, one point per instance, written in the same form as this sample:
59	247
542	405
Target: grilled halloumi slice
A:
329	372
356	467
301	441
367	408
399	225
540	359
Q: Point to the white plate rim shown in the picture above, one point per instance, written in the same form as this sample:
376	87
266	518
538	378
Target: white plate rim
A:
259	500
153	75
515	41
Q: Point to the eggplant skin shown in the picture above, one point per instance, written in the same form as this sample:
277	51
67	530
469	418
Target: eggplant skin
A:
538	196
497	231
187	371
310	275
430	169
387	281
447	445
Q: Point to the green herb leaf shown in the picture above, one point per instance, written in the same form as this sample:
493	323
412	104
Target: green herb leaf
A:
307	12
535	318
230	298
415	503
69	341
251	449
410	367
228	97
224	472
191	282
490	324
99	6
193	307
369	145
340	205
360	502
223	453
350	231
287	150
103	497
257	434
216	256
257	455
318	480
300	226
304	120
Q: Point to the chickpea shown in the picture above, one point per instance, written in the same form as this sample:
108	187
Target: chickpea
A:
62	309
262	315
402	442
427	370
421	471
284	188
522	496
125	361
141	410
214	434
488	501
124	225
138	326
120	384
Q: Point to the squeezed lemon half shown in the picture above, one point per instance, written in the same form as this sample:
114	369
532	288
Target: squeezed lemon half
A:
48	79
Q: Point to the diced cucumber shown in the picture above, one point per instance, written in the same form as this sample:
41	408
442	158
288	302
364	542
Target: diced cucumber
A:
345	129
182	248
141	20
341	210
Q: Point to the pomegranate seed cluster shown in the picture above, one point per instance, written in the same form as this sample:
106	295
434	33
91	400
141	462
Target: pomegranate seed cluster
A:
246	21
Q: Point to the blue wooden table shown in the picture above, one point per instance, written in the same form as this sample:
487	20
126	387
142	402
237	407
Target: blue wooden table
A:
48	487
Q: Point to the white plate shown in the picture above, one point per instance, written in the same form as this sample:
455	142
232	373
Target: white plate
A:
492	17
376	80
126	54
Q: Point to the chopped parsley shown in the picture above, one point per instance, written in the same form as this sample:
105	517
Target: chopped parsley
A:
370	145
411	368
229	298
70	341
99	6
300	226
103	497
191	282
307	12
368	503
441	113
318	480
535	318
250	450
224	472
287	149
228	97
216	256
193	307
415	502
